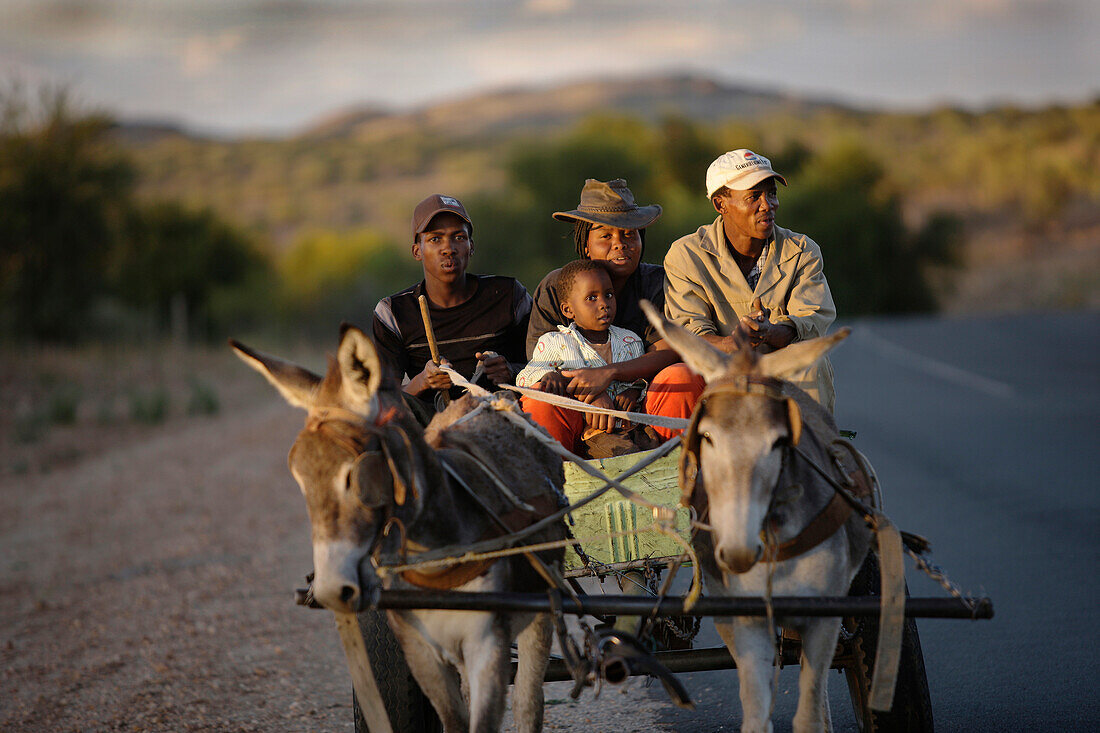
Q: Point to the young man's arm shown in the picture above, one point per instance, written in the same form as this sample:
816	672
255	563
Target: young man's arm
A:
810	307
502	368
391	350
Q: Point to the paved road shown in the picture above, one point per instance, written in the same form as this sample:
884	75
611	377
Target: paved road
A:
983	432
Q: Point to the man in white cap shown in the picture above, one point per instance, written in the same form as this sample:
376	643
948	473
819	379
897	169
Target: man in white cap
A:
743	271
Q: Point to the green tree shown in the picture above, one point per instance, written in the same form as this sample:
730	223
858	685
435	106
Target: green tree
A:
64	190
875	264
170	252
684	152
328	276
519	236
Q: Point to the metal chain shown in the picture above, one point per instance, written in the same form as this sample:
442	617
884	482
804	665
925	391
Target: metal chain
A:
938	574
683	628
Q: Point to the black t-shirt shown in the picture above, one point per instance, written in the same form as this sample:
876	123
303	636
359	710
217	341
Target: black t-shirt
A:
647	282
493	319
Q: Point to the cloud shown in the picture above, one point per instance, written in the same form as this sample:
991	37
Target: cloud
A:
548	7
200	54
275	64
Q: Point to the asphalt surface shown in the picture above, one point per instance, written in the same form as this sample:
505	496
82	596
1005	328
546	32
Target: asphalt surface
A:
983	431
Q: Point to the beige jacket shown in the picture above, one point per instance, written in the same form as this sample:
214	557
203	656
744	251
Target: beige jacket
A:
706	293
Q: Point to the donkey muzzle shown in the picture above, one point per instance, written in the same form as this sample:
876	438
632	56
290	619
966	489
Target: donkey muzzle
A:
737	560
336	583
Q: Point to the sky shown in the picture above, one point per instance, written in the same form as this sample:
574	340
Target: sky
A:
274	66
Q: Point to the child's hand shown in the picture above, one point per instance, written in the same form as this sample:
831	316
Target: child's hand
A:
605	423
554	383
588	383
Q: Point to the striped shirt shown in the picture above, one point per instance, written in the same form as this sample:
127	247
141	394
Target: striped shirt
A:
566	348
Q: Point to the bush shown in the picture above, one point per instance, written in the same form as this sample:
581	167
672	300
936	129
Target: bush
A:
63	193
149	406
203	400
62	403
171	252
30	427
327	276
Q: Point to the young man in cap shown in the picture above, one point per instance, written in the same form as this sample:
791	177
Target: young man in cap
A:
480	321
744	271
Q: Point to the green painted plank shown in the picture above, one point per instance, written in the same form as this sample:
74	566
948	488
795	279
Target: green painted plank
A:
658	482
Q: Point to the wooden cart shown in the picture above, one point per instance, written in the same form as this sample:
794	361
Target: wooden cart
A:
625	548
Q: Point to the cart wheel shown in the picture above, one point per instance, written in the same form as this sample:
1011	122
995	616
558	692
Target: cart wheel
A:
912	709
409	709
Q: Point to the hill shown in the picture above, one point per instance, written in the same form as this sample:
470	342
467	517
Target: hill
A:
514	111
1025	184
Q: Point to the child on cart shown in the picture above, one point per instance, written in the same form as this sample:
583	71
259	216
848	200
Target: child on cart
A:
590	340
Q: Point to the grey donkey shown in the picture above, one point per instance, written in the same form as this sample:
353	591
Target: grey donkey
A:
376	485
739	472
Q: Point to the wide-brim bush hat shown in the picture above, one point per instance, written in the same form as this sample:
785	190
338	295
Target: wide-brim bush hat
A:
610	204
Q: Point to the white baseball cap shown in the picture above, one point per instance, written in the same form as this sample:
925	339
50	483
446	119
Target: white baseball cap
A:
739	170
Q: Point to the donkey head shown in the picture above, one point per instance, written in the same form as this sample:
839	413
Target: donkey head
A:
359	460
733	451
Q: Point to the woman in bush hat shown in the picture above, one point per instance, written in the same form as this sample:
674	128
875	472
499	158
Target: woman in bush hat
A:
608	225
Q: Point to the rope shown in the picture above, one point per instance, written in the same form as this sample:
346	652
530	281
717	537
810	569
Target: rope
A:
660	421
777	659
384	570
506	540
662	514
508	410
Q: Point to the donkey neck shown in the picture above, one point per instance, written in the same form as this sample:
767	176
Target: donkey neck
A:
447	516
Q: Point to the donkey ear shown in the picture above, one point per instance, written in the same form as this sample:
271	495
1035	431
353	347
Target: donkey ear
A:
296	384
360	368
800	355
703	358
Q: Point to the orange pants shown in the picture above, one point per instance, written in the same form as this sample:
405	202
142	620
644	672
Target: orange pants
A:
672	393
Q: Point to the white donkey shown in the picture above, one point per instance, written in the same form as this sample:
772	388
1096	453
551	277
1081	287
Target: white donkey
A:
740	471
376	484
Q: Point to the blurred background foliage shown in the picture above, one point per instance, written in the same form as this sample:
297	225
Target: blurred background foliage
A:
116	230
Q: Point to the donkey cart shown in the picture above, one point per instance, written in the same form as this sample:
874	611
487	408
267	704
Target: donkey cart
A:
615	546
475	512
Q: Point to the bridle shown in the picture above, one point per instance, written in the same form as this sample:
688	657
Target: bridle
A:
825	523
354	434
741	384
357	436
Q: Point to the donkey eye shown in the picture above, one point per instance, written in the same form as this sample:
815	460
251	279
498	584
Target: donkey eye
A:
706	437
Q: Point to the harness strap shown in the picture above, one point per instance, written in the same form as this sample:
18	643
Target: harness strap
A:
453	576
448	578
831	518
891	616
